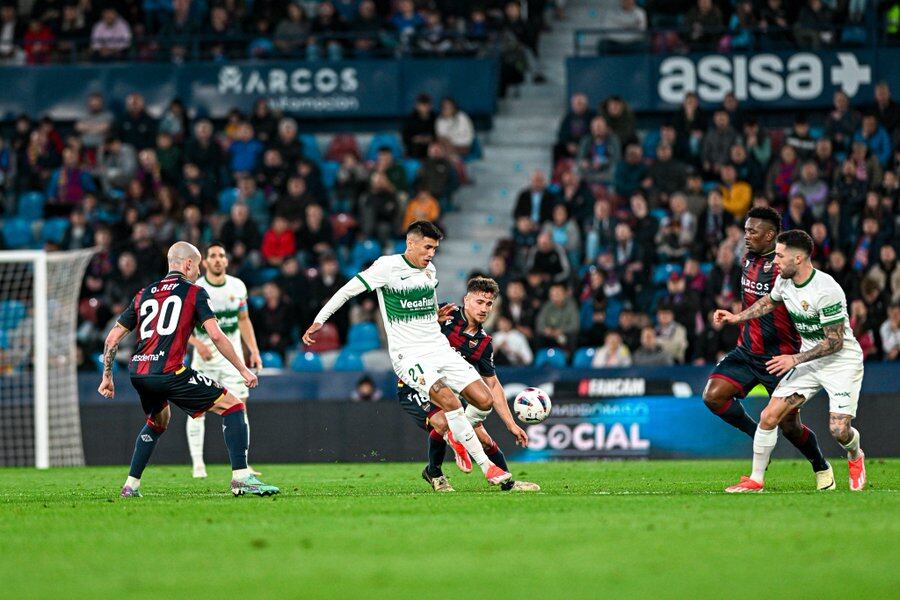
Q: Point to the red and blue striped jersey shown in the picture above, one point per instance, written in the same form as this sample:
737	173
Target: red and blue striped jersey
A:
476	348
771	334
164	315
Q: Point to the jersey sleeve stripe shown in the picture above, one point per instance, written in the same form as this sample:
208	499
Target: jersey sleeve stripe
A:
119	323
368	288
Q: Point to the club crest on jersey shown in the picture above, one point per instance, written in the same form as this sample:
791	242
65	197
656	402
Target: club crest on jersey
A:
421	381
804	305
767	267
428	274
473	343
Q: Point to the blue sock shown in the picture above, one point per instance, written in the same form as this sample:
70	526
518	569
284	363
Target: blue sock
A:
237	438
733	413
143	448
437	449
496	455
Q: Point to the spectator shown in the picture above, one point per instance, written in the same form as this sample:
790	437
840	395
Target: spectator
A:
240	233
110	36
179	29
38	42
862	328
278	242
800	139
890	333
814	27
886	110
671	335
96	125
326	282
717	339
565	233
842	123
124	283
868	169
626	25
690	122
651	354
630	174
193	228
244	151
68	185
433	39
274	322
694	194
886	272
137	128
718	141
704	25
437	176
612	354
576	196
203	151
146	252
396	174
316	236
510	345
292	31
867	245
843	274
782	174
667	174
600	231
557	321
11	32
713	222
79	234
797	215
681	225
549	260
421	207
825	159
757	143
287	142
535	202
774	22
620	119
117	165
736	195
876	139
454	128
71	30
812	188
573	128
599	152
518	309
406	20
365	391
643	225
219	34
419	128
684	302
724	284
379	208
170	158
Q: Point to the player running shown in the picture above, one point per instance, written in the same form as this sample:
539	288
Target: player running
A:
228	298
164	314
743	368
463	328
830	357
421	356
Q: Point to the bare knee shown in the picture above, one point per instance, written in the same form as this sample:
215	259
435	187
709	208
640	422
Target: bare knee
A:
478	394
160	421
443	397
839	426
438	422
717	392
230	401
791	426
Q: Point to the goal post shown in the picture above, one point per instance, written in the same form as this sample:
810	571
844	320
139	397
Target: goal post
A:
39	417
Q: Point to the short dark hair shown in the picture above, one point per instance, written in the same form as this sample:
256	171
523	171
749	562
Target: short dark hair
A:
484	285
426	229
214	244
767	214
796	239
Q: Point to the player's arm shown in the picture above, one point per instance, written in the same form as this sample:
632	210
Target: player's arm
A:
349	290
221	341
501	407
761	307
110	347
249	337
833	342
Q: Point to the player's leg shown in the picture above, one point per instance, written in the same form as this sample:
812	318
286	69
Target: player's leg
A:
848	437
156	425
730	380
803	438
439	438
843	384
196	435
479	400
495	454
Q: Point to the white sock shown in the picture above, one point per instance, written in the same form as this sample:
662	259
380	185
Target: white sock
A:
763	443
465	435
196	434
240	473
476	415
133	482
852	447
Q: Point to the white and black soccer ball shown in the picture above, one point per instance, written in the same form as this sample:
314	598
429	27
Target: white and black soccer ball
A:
532	405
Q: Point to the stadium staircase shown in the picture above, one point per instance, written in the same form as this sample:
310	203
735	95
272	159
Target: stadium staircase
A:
521	140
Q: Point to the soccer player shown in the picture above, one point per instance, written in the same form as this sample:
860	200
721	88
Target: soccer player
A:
463	328
164	313
829	357
421	356
743	368
228	298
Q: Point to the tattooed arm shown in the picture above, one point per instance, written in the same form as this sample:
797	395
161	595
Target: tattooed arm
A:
107	388
833	342
761	307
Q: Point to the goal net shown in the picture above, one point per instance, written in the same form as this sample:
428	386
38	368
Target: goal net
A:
39	418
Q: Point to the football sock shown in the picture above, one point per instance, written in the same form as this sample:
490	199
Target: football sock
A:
237	436
132	482
143	448
852	447
763	443
808	446
495	454
437	448
733	413
476	415
465	435
196	433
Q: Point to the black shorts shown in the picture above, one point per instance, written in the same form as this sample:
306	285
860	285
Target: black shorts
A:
745	370
412	403
188	390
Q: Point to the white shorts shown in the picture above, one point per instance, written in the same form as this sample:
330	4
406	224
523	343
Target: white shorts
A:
225	375
840	377
421	371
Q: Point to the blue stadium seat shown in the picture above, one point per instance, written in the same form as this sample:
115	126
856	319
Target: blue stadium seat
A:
651	141
412	169
586	314
11	313
307	362
98	362
365	251
310	147
31	206
272	360
661	273
257	302
4	340
706	268
379	140
550	357
476	152
583	358
613	308
659	213
54	230
17	232
349	360
363	337
227	198
399	246
264	275
330	170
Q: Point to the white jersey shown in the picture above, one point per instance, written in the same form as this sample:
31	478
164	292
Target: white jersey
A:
408	301
812	305
228	301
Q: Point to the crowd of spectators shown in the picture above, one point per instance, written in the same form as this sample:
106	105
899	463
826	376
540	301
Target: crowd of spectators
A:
296	215
744	25
625	251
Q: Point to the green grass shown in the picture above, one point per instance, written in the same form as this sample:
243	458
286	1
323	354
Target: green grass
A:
599	529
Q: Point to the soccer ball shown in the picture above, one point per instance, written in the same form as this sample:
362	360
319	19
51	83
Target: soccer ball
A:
532	405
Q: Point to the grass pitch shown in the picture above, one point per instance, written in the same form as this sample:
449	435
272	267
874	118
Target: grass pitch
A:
599	529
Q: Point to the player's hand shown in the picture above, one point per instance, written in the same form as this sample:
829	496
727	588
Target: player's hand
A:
250	378
107	387
204	351
307	337
445	311
725	316
519	434
255	361
781	364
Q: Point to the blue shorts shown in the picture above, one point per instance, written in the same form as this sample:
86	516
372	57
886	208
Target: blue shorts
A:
745	371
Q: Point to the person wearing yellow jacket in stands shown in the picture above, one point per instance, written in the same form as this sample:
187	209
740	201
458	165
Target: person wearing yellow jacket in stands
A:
736	195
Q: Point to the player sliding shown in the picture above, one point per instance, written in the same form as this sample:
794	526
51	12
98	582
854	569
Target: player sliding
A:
228	299
421	356
164	314
463	329
829	357
743	368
